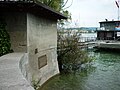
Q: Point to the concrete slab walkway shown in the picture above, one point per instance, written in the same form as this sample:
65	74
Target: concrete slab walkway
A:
11	77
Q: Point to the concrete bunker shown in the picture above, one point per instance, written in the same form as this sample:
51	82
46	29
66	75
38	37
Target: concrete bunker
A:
33	32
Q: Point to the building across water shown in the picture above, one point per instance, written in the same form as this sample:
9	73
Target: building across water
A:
109	30
109	33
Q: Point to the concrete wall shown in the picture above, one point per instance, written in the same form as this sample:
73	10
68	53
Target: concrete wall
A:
42	42
23	64
17	28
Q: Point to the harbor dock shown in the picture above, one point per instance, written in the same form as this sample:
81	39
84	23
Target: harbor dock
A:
108	45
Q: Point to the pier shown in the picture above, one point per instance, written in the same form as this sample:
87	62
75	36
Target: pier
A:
108	45
91	42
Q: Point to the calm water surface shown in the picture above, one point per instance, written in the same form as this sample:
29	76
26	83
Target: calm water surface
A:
103	74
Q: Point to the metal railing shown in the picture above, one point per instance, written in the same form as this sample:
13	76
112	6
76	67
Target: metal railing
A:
87	39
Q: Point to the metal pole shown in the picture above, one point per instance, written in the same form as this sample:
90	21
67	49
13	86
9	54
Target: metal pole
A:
118	20
118	14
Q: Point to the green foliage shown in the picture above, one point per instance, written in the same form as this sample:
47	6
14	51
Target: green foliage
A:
59	5
55	4
35	83
70	56
4	39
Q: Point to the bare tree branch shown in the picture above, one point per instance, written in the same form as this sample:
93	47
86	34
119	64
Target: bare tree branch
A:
64	4
69	5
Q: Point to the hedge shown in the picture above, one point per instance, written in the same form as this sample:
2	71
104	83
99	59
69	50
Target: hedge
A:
5	45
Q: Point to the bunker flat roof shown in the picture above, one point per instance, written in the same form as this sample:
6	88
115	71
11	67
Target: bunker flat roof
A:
32	6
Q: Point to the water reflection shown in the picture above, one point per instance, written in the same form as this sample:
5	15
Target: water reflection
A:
103	74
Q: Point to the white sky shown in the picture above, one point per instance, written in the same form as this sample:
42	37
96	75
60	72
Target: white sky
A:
88	13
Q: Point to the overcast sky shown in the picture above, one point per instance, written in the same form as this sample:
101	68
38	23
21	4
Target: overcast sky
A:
88	13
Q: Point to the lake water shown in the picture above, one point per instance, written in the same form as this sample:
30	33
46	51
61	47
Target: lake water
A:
103	74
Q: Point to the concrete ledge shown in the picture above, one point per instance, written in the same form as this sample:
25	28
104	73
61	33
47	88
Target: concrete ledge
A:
109	45
11	77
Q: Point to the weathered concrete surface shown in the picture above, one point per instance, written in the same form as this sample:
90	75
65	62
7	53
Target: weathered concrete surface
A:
37	37
42	36
11	77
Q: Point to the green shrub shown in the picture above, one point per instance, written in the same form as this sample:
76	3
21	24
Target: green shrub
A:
35	83
70	56
4	39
